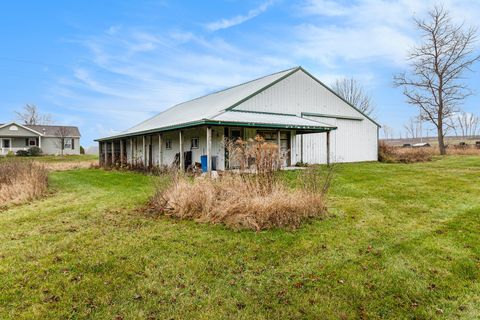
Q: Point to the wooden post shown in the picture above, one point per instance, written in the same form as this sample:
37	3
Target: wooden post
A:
105	153
301	148
113	152
150	155
279	144
182	160
100	154
121	152
328	147
144	152
136	151
209	150
160	153
131	150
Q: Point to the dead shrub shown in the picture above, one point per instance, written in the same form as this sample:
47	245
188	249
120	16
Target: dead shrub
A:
250	197
238	201
21	181
392	154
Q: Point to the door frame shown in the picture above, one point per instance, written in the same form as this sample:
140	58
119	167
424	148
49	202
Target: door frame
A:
10	143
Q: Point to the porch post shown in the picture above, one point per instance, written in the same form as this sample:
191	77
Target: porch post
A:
328	147
121	152
209	150
105	152
40	142
144	156
182	160
301	148
100	161
131	151
160	153
150	155
113	152
279	140
136	151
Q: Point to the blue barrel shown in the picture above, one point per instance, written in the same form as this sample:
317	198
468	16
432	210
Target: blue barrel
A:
204	162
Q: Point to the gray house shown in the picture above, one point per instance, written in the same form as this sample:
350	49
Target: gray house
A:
293	109
15	137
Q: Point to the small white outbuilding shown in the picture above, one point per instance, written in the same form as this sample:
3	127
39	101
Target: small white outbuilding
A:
292	108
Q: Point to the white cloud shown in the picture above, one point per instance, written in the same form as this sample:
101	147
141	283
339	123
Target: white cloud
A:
122	85
367	30
227	23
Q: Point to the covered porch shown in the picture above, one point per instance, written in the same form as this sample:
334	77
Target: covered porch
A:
203	143
12	144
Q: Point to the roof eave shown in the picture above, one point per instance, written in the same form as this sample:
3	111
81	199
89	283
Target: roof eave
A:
221	123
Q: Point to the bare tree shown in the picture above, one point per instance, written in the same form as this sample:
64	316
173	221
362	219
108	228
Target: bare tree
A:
61	134
353	92
411	128
32	116
414	127
387	132
438	64
467	123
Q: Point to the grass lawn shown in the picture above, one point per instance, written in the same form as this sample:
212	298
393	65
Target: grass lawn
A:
54	159
401	241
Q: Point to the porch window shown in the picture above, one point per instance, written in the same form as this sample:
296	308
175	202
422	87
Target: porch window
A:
32	142
168	144
194	143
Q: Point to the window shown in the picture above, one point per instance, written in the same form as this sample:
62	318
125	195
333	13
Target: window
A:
32	142
67	143
168	144
6	143
194	143
13	128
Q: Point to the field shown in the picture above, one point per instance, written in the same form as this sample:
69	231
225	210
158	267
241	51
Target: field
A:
400	242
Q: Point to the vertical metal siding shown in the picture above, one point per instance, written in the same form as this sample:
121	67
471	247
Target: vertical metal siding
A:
352	141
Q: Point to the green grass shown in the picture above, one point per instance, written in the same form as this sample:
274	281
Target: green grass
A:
401	242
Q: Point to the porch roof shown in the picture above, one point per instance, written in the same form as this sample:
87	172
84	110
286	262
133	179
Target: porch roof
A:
251	119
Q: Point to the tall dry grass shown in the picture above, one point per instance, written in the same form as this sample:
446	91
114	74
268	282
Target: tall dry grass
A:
251	197
394	154
21	181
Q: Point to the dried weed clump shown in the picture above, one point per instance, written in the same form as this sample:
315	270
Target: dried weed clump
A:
249	197
392	154
21	181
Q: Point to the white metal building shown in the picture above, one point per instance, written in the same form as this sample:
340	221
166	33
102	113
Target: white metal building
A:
291	108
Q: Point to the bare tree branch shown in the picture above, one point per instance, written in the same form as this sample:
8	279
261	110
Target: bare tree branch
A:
352	91
61	134
434	83
31	116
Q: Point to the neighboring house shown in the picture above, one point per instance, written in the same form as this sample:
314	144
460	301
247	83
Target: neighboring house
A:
14	137
291	108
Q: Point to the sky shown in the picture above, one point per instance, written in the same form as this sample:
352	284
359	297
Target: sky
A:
106	65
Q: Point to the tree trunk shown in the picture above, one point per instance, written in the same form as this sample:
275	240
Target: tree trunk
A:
441	142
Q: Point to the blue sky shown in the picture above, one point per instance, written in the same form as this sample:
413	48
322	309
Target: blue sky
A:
106	65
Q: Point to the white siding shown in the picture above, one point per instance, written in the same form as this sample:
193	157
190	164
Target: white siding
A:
354	140
50	145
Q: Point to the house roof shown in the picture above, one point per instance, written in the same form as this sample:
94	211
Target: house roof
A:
70	131
218	107
47	130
